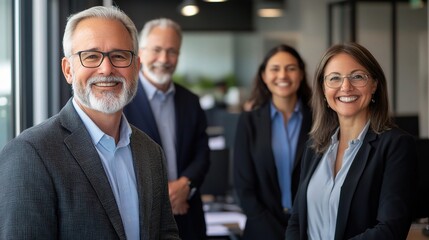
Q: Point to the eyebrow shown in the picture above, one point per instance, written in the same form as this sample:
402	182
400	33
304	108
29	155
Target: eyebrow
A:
278	65
356	70
113	49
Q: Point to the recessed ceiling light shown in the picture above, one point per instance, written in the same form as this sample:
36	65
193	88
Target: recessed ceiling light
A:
188	8
270	12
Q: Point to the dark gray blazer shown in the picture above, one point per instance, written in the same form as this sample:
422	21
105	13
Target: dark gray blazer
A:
53	185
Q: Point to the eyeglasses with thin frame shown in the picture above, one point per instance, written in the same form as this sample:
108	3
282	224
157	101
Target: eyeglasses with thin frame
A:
118	58
357	79
171	52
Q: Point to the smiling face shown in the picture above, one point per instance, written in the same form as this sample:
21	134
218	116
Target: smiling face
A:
282	76
348	101
160	55
105	89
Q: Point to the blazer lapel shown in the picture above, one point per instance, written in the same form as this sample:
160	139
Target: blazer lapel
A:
143	175
263	116
80	145
181	123
149	125
351	182
139	113
303	197
303	134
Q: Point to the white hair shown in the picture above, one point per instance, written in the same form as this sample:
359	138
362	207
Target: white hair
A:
112	12
160	22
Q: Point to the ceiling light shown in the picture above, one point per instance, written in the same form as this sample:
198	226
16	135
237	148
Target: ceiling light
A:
215	0
270	12
188	8
270	8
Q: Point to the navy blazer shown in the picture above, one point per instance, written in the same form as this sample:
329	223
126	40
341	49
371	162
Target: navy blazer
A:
376	196
192	147
255	173
53	185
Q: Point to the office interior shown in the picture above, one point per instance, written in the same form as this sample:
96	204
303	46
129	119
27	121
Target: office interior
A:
222	47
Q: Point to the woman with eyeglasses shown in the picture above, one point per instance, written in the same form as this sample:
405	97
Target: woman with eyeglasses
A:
357	169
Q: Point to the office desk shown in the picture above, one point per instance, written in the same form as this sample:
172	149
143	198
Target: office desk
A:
225	225
230	225
415	232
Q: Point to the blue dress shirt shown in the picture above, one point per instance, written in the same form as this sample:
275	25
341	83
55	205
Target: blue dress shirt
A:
163	110
324	188
284	140
117	161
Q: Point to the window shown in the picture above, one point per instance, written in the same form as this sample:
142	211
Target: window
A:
6	126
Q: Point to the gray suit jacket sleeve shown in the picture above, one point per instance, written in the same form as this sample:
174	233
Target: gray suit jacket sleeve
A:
53	185
27	194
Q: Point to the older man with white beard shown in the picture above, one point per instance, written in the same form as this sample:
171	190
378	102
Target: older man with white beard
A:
86	173
173	117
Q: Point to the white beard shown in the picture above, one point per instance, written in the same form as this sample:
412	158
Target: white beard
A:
109	102
160	79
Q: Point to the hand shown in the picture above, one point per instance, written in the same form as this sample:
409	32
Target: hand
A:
178	191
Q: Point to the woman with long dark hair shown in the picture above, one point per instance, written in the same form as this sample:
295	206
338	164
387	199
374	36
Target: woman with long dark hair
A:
269	143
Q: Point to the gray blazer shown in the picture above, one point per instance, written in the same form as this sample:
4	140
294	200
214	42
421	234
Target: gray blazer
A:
53	185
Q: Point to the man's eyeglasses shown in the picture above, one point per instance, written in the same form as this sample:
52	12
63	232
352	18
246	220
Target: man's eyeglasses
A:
118	58
357	79
157	51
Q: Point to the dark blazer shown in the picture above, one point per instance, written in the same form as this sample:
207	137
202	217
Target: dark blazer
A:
255	173
192	148
53	185
376	196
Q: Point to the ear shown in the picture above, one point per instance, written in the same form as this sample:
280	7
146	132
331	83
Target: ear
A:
140	54
302	73
66	67
263	77
139	63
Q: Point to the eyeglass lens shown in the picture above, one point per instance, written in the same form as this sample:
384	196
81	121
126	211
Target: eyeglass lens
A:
118	58
358	79
170	51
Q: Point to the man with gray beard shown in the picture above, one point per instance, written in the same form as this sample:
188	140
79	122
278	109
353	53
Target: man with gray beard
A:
172	116
86	173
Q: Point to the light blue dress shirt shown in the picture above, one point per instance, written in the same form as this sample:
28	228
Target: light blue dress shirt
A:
324	189
162	105
284	140
117	161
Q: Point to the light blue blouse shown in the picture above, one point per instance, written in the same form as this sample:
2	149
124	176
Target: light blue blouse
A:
324	189
284	140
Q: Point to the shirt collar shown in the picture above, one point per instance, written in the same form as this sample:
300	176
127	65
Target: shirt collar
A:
151	90
360	138
124	132
274	111
97	134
